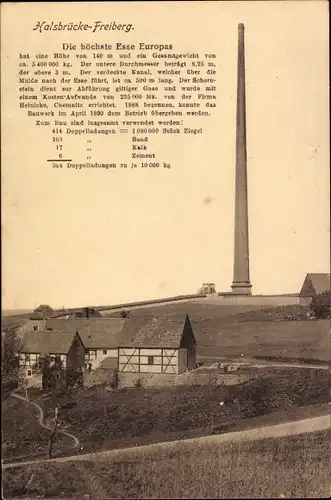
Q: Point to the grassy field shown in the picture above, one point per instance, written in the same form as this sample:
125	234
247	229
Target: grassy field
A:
229	330
22	435
234	330
293	467
296	340
135	416
197	310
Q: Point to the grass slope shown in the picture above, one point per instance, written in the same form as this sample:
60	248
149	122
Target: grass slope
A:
135	416
21	432
297	340
292	467
232	330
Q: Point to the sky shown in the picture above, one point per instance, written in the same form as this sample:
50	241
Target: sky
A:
101	237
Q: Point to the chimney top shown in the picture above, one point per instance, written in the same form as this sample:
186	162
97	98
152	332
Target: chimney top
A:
241	26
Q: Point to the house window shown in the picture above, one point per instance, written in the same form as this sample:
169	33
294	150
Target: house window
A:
91	355
29	373
150	360
35	327
34	360
104	351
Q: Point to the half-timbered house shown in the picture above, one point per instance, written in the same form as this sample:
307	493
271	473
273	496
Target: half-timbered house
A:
164	344
100	336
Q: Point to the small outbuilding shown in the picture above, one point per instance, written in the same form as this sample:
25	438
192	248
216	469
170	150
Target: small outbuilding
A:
314	284
164	344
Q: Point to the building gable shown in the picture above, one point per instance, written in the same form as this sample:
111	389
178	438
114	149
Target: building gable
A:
188	338
76	353
314	284
307	289
77	342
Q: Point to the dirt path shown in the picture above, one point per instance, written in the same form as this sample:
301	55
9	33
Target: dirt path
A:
41	421
254	363
273	431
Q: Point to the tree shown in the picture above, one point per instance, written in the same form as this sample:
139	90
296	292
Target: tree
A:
24	384
212	395
113	379
10	369
321	304
52	435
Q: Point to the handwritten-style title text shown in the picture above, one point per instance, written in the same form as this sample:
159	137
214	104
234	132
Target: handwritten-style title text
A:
96	26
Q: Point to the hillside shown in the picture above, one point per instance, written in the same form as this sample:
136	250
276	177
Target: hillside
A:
249	331
109	419
13	321
242	330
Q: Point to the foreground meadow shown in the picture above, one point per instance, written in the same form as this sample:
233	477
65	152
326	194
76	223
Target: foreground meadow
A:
292	467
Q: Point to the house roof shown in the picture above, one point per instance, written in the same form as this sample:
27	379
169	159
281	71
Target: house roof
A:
44	342
315	283
162	331
94	332
139	331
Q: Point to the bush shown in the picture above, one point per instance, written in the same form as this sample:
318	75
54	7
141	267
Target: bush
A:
321	304
11	375
74	378
114	379
138	383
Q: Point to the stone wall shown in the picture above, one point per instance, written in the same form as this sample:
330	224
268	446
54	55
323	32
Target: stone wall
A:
100	376
146	379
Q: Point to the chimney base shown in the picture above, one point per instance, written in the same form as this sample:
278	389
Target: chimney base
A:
241	288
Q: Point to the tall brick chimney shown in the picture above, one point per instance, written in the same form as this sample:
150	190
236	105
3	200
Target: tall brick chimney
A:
241	280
